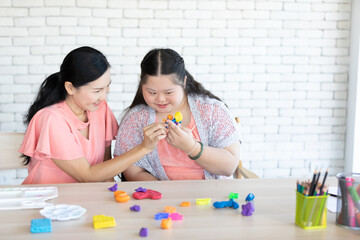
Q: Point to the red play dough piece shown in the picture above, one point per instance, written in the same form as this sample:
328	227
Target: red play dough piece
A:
148	194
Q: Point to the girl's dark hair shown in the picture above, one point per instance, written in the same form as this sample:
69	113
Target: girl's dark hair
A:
80	66
166	61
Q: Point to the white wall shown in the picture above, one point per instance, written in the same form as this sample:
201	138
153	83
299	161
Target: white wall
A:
281	65
352	150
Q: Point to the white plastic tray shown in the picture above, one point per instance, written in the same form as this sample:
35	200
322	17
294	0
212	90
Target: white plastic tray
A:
26	197
63	212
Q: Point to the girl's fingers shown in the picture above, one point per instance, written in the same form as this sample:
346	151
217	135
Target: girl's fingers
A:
150	129
185	129
173	128
160	137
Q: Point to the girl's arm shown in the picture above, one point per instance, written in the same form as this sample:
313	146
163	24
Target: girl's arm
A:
135	173
219	161
82	171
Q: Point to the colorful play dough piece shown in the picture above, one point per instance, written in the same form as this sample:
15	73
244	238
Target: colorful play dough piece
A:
247	209
148	194
102	221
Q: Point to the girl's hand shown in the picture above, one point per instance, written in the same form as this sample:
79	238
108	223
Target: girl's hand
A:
180	137
153	133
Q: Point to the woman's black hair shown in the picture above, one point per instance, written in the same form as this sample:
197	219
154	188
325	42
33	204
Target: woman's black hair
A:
81	66
166	61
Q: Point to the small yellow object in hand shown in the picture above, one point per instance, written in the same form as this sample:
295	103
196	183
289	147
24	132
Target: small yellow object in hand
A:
178	117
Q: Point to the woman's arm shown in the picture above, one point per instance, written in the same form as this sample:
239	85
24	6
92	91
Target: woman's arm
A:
135	173
82	171
219	161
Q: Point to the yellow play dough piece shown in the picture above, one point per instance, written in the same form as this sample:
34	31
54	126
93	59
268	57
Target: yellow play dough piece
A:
178	117
102	221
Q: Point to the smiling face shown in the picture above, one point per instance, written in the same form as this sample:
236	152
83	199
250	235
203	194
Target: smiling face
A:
89	96
162	94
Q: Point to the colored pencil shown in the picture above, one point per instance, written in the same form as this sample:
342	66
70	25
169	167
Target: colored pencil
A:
312	183
316	183
323	182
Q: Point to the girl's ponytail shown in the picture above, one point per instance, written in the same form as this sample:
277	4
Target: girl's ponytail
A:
194	87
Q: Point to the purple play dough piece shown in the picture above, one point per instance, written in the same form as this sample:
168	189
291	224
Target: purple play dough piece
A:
135	208
247	209
140	189
143	232
113	188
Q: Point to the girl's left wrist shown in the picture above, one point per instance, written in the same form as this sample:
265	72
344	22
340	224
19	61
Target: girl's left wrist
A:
192	148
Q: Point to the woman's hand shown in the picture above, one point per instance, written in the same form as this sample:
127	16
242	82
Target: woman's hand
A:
153	133
180	137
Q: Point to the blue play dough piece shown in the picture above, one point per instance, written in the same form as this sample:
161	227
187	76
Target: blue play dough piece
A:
160	216
40	225
249	197
230	203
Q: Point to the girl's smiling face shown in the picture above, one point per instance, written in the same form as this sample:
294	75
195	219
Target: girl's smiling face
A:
162	94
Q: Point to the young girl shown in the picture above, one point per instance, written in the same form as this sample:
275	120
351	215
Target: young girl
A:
204	146
70	126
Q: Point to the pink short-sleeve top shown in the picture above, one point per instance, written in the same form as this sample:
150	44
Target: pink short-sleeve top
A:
176	163
53	133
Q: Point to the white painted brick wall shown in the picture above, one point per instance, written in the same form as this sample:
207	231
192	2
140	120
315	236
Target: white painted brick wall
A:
281	66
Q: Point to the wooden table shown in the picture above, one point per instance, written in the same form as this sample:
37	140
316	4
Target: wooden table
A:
274	216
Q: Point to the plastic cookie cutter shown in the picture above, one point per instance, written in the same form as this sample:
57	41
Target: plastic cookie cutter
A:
26	197
203	201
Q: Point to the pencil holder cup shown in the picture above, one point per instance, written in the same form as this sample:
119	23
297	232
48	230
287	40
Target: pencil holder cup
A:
310	211
348	200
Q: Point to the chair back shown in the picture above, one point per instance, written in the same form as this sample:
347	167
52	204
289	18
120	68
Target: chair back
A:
240	171
10	143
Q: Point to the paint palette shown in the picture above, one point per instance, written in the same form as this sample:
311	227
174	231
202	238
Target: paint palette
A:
63	212
26	197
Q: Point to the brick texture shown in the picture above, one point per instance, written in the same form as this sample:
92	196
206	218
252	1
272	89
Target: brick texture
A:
281	66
